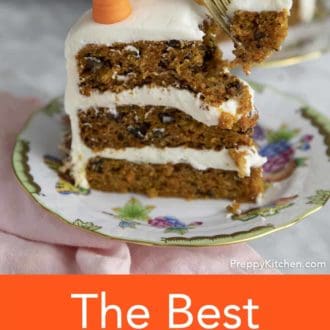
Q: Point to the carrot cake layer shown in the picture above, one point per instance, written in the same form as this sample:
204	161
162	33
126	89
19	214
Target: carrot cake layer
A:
258	34
169	63
172	180
133	126
174	62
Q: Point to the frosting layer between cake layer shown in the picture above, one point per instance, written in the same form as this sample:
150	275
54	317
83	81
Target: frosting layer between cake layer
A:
198	159
173	97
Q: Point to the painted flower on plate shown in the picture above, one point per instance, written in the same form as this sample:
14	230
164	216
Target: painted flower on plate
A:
320	198
133	210
172	224
86	225
280	147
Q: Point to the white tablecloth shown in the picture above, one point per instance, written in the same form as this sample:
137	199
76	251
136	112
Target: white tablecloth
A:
32	36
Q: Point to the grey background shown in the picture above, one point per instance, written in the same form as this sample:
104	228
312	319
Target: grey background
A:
32	34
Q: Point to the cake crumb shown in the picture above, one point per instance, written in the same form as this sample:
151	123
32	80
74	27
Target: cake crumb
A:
239	158
234	208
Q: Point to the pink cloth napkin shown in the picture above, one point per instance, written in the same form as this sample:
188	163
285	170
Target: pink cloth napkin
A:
33	241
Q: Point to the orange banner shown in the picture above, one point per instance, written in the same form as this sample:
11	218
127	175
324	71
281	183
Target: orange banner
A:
164	302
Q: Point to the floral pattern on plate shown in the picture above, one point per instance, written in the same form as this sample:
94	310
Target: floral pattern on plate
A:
134	214
280	147
86	225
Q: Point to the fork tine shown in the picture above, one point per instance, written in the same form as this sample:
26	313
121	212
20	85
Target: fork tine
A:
226	2
225	5
221	6
218	10
223	9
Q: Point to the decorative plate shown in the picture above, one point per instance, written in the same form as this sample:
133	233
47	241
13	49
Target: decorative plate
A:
304	42
294	137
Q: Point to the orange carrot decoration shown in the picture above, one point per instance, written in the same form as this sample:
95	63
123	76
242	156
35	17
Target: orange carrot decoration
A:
111	11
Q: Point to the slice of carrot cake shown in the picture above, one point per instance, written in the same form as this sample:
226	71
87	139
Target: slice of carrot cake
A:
154	108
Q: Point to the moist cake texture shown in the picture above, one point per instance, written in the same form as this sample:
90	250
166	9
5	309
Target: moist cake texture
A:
163	180
258	34
154	108
302	11
134	126
191	67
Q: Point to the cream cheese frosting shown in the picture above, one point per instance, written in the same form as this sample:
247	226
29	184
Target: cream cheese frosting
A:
164	20
151	20
198	159
170	97
259	5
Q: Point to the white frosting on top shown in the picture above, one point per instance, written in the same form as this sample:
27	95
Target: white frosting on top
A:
259	5
307	9
151	20
157	20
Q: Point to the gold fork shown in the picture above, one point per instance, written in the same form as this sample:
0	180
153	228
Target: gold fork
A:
219	12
